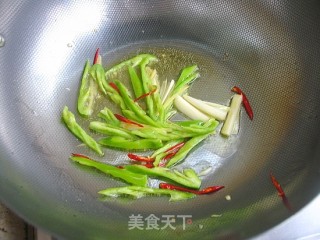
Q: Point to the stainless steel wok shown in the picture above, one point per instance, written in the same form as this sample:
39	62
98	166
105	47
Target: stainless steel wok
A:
269	48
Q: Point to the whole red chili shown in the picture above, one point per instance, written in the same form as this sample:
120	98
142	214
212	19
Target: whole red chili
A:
175	148
148	165
277	185
207	190
245	101
140	158
145	95
80	155
114	86
165	159
280	191
170	153
96	56
126	120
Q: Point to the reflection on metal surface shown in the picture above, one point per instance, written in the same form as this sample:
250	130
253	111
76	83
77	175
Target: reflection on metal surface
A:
2	41
267	48
82	19
311	237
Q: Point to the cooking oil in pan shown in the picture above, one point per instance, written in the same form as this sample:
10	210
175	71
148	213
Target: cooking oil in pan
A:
213	85
173	56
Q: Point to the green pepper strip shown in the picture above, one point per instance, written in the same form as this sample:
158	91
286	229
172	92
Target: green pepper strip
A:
132	61
166	147
136	82
175	132
158	158
190	123
87	92
146	84
188	178
130	144
131	115
75	128
117	99
97	73
109	117
159	106
187	75
134	107
128	176
138	192
183	152
111	130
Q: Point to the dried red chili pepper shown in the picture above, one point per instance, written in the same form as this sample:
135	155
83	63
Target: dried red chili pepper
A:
140	158
114	86
171	152
79	155
165	159
96	56
148	165
175	148
126	120
277	185
245	101
280	191
145	95
207	190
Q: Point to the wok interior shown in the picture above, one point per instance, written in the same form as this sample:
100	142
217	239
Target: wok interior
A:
269	49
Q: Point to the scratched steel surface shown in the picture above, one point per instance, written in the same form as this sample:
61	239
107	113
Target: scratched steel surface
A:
270	49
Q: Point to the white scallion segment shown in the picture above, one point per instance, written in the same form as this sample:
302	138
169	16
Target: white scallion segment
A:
205	108
236	126
190	111
217	105
163	88
228	125
168	91
205	171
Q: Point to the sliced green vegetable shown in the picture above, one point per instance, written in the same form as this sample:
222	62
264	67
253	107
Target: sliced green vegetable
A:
166	147
98	74
190	123
79	132
135	81
188	178
110	130
87	93
183	152
139	192
128	176
109	117
187	75
146	85
168	134
117	99
130	144
132	61
133	106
